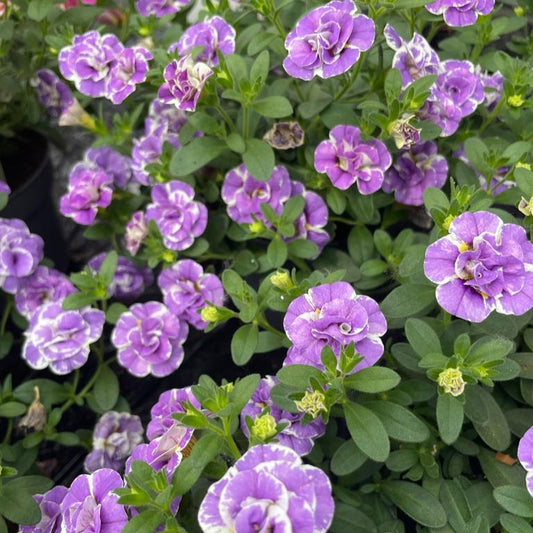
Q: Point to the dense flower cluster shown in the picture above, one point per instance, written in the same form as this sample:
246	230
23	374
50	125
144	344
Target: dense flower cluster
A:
482	265
333	315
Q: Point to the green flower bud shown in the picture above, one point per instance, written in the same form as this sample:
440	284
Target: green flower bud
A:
264	427
312	403
451	380
281	280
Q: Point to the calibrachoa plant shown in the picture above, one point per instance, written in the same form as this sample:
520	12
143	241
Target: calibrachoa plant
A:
306	244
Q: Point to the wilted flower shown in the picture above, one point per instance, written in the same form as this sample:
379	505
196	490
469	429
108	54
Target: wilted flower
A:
268	489
525	456
53	93
333	315
404	133
114	438
483	265
492	85
51	516
36	415
91	505
414	171
160	8
346	159
60	339
184	81
460	12
451	380
149	340
328	41
297	436
179	218
21	252
186	290
284	135
136	231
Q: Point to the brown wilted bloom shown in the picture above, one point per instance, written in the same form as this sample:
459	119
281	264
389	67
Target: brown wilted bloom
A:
285	135
506	459
35	417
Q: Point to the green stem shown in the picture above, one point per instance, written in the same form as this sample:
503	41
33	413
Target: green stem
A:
245	121
352	78
344	220
5	316
491	116
229	439
225	116
9	430
261	321
302	265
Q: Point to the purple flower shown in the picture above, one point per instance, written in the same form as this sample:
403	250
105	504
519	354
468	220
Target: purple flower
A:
243	194
116	165
161	113
88	61
213	34
114	438
296	436
129	281
460	12
4	188
328	41
492	85
43	286
414	171
89	188
403	132
136	231
525	456
334	315
184	81
414	58
160	8
20	253
186	290
51	519
91	505
129	69
310	224
60	339
149	340
481	266
53	94
347	160
179	217
269	489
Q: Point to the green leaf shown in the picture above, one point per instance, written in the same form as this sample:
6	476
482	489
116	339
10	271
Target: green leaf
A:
259	159
499	473
402	460
147	520
399	423
277	252
435	199
347	459
515	500
298	376
18	505
244	343
488	349
78	300
455	502
12	409
108	267
293	208
352	519
267	342
106	389
450	415
373	379
360	244
237	68
114	311
367	431
195	155
336	200
273	107
205	123
407	300
38	9
302	248
416	502
478	153
524	180
514	524
393	85
243	390
236	143
422	337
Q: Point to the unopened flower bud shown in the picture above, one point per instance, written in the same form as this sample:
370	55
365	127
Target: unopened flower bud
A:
404	133
527	166
282	280
526	206
210	313
35	417
257	227
447	221
451	380
75	115
312	403
519	11
515	100
264	427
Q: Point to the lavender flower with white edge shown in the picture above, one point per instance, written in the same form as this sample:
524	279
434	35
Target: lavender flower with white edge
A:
346	159
492	85
184	81
310	224
160	8
129	281
179	218
333	315
269	489
61	339
214	34
459	13
43	286
136	232
114	438
113	163
50	506
414	171
88	62
89	189
328	41
187	289
414	58
53	93
525	456
243	194
161	113
482	265
20	253
149	340
91	505
298	437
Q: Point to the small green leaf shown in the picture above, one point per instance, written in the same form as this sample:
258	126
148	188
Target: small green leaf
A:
277	252
422	337
38	9
336	200
347	459
106	389
78	300
373	379
515	500
298	376
236	143
259	159
273	107
450	414
244	343
407	300
108	267
12	409
147	520
18	505
303	248
515	524
114	311
195	155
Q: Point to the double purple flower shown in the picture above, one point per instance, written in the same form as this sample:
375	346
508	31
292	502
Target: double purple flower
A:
483	265
346	159
460	12
333	315
136	231
53	93
160	8
269	489
328	41
51	517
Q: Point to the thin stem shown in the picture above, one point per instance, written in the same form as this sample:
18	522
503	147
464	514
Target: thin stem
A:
245	121
352	79
261	321
229	439
9	430
344	220
5	316
225	116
